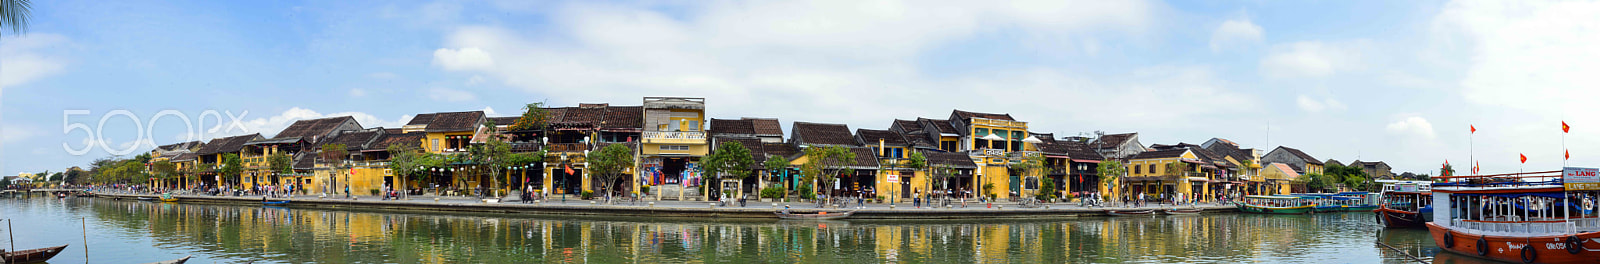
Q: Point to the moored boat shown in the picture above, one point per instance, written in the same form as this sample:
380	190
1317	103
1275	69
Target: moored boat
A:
33	255
175	261
1182	211
1273	204
272	203
167	197
1138	212
816	216
1540	217
1405	205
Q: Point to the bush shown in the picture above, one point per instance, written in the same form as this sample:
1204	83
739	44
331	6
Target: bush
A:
1046	190
587	195
988	190
644	189
806	193
374	192
772	192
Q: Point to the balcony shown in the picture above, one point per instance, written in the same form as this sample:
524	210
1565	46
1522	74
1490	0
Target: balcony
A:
568	147
674	137
977	121
520	147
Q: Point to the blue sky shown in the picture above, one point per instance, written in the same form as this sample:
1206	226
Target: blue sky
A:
1397	81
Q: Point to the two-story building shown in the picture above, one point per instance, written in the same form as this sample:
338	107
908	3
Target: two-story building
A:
182	156
892	151
863	181
674	142
300	136
1375	169
446	133
764	138
1167	170
1301	162
210	156
995	142
1117	146
1247	162
1074	166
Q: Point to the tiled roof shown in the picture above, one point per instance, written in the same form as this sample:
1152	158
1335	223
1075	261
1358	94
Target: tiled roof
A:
305	160
766	126
908	125
1302	155
870	137
413	138
757	150
968	115
227	144
186	156
421	119
731	126
455	121
356	140
1079	150
951	159
1288	170
865	158
785	150
943	125
1229	150
1114	140
504	120
1160	154
624	118
825	134
310	128
177	146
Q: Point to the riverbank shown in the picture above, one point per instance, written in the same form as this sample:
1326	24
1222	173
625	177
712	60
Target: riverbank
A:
753	210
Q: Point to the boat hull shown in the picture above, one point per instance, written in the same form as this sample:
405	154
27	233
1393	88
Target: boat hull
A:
1130	212
1401	219
1545	249
1275	210
33	255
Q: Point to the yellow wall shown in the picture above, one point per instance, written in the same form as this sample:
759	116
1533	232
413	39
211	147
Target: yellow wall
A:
694	149
1000	177
427	143
919	183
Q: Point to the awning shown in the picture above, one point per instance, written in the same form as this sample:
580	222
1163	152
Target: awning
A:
1193	161
1085	161
1057	156
1198	179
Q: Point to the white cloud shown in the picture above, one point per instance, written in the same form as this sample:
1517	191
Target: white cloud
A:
27	58
382	75
1309	59
357	92
1313	105
475	80
489	111
451	95
1236	32
1414	126
17	133
755	59
464	59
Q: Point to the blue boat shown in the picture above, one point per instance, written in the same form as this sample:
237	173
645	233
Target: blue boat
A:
272	203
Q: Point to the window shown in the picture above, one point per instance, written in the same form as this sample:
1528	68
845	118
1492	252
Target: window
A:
981	132
675	147
1152	168
435	144
1001	133
1016	146
672	126
1136	169
1016	135
694	125
948	146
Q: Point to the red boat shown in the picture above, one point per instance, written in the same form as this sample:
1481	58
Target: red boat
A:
1540	217
1405	204
33	255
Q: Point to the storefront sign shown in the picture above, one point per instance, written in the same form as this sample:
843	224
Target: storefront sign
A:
893	178
1577	179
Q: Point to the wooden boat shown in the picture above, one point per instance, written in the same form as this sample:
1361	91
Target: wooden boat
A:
275	203
1405	205
33	255
1182	211
175	261
816	216
1516	217
1273	204
167	197
1130	212
146	198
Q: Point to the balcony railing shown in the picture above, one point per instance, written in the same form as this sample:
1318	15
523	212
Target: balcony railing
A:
524	146
568	147
674	137
978	121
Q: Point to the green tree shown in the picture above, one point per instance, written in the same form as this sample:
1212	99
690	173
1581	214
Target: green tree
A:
1031	166
75	177
410	162
916	162
1350	176
5	182
163	170
334	155
14	15
534	117
824	164
775	166
231	167
609	163
1111	172
280	163
731	161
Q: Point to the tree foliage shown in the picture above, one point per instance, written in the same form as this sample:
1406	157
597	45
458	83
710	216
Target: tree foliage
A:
14	15
1351	176
610	163
824	164
409	161
731	160
280	163
1111	172
534	117
163	169
231	167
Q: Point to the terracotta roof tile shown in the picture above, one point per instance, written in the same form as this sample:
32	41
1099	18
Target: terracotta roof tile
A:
732	126
968	115
870	137
227	144
624	117
309	129
823	134
951	159
1302	155
766	126
455	121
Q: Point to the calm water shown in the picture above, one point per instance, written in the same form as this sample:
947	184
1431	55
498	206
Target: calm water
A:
123	231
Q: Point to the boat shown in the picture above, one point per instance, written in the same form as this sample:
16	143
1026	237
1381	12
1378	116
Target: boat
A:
167	197
175	261
1522	217
146	198
1130	212
1276	204
273	203
1408	206
816	216
36	255
1182	211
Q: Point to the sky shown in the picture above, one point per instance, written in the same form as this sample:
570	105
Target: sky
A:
1396	81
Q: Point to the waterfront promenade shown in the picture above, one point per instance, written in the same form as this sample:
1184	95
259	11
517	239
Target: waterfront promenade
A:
752	210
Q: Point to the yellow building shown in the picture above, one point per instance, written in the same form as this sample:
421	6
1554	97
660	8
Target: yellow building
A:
446	133
1183	168
1278	177
209	159
996	142
673	142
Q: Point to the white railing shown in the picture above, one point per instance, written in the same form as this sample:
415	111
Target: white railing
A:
1530	228
998	123
674	135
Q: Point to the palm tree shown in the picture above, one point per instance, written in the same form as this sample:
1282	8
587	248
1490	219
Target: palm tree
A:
14	15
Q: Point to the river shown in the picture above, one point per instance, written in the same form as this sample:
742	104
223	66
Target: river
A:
128	231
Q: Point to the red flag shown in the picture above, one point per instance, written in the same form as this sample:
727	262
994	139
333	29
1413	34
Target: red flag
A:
1524	157
1474	167
1569	153
569	169
1474	128
1564	127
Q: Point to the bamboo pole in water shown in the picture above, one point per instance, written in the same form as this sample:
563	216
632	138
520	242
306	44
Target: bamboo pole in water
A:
85	222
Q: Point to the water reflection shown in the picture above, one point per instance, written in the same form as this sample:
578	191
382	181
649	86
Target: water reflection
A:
277	234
